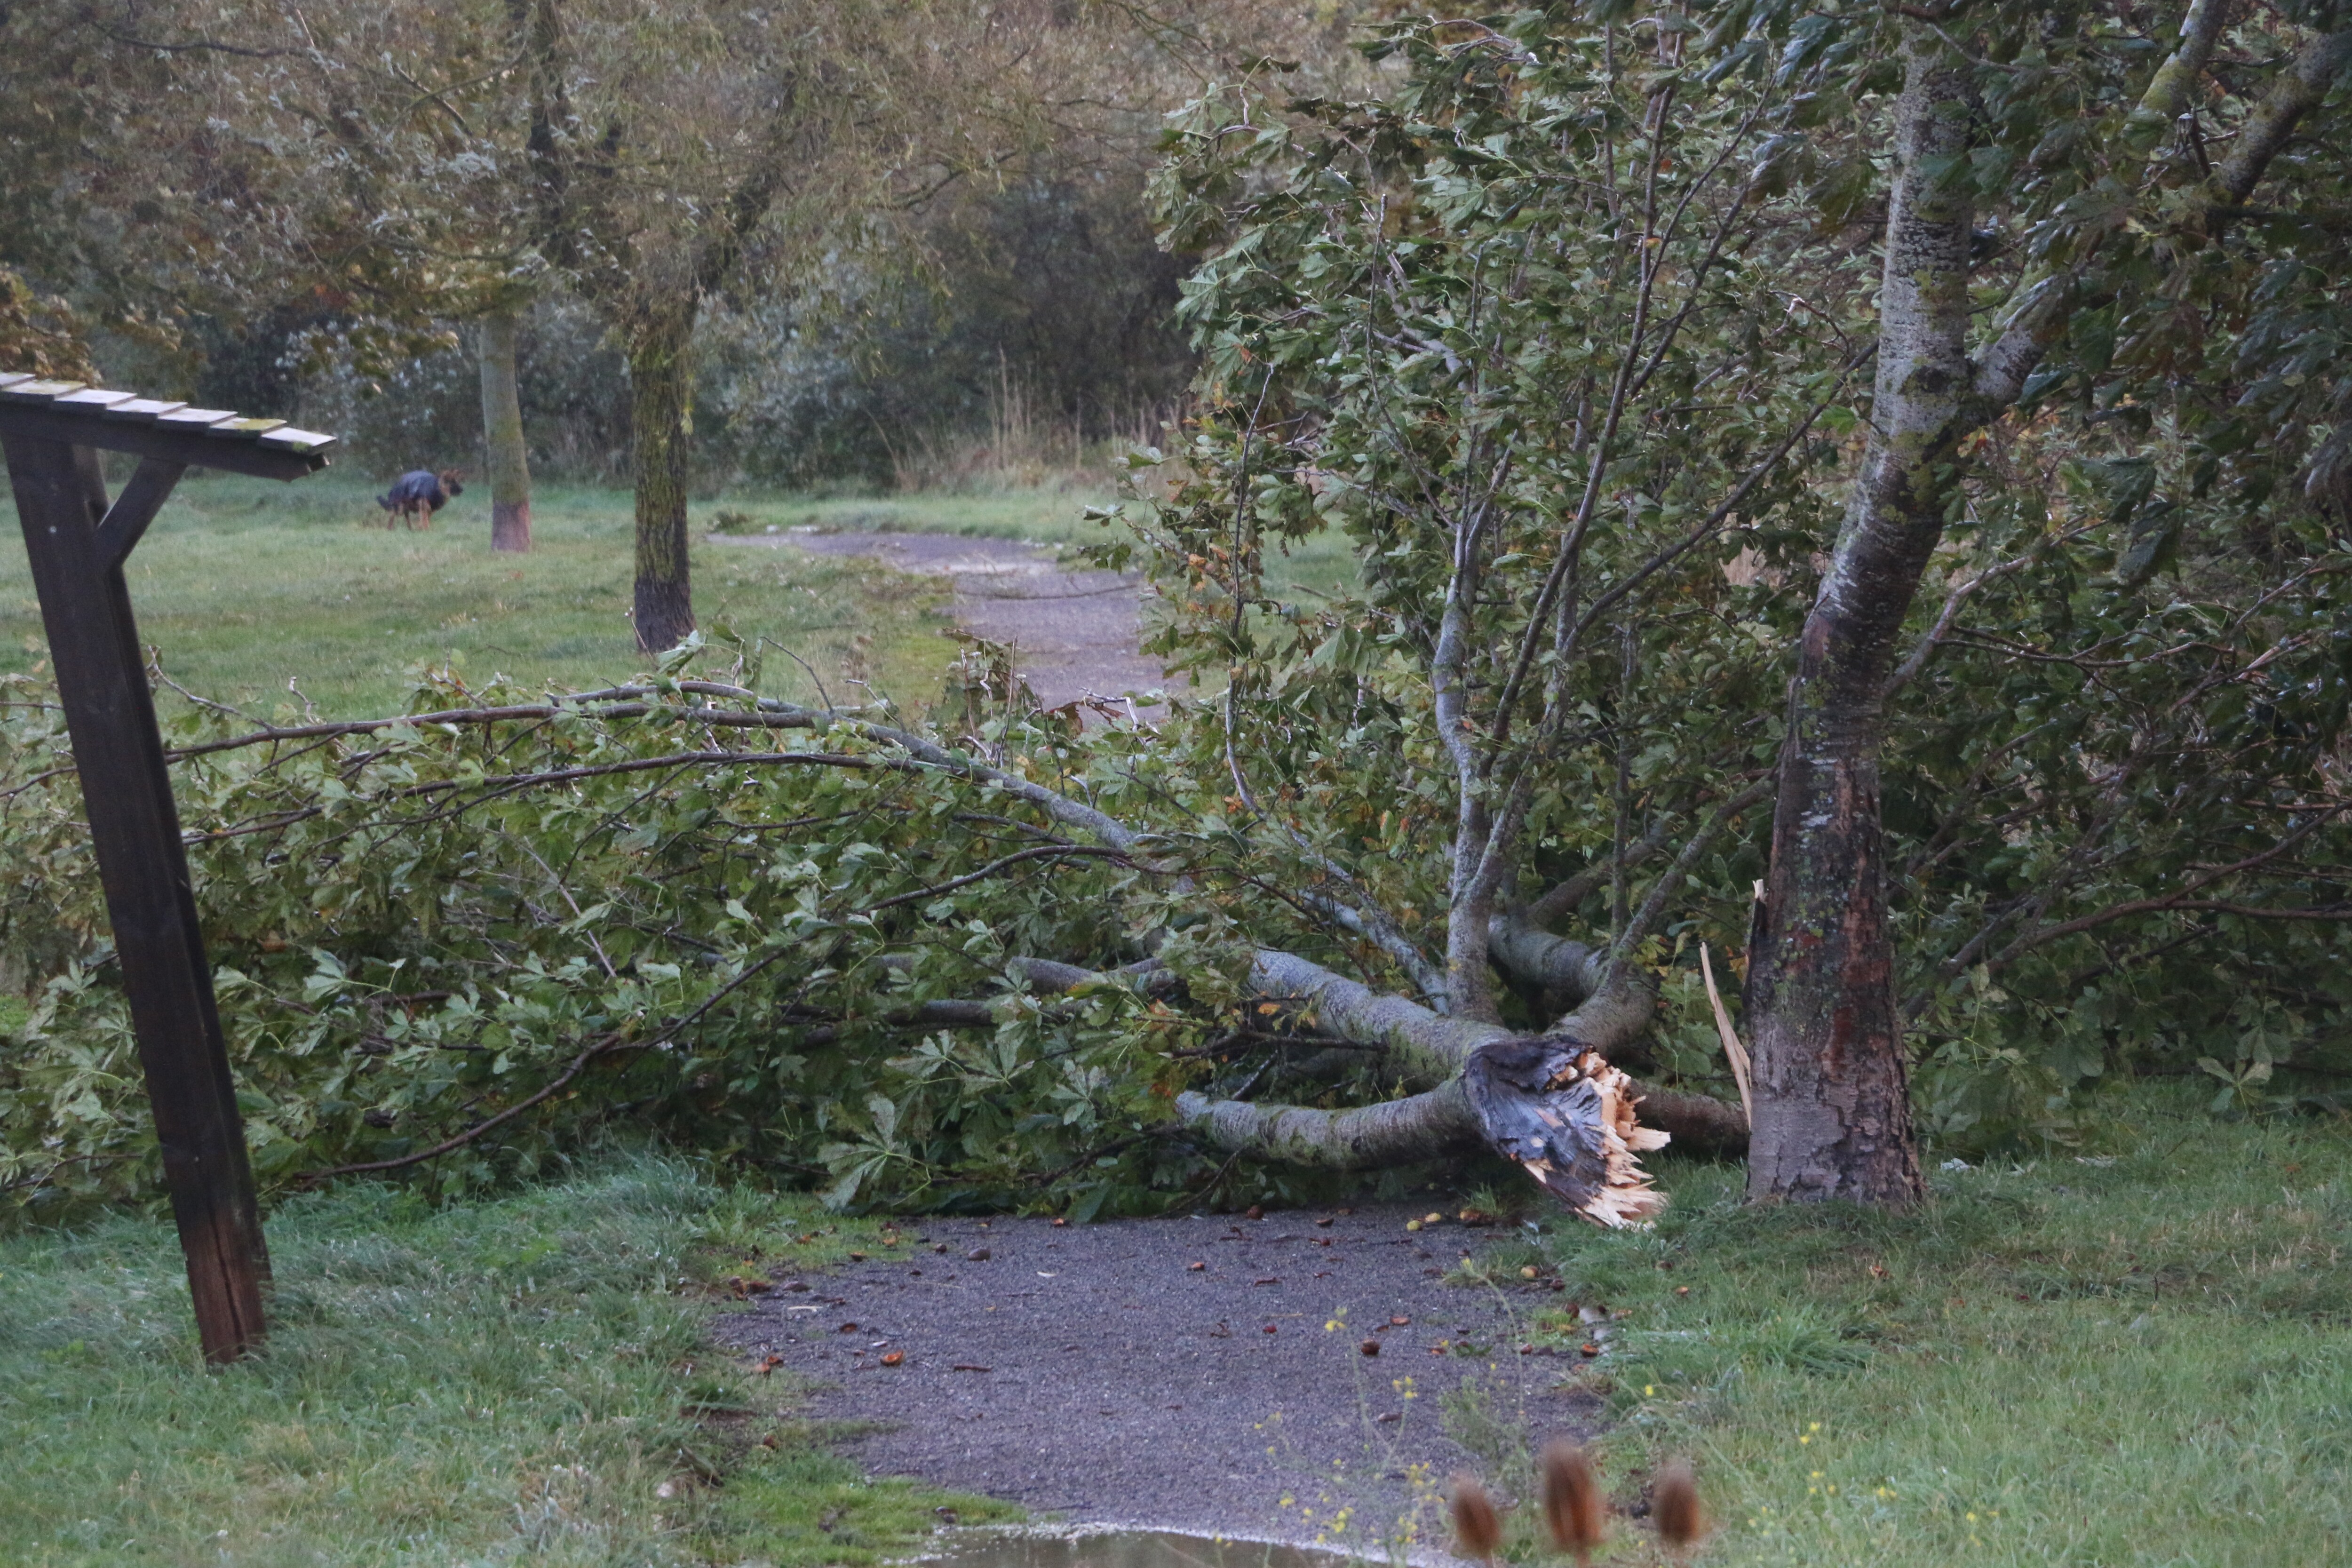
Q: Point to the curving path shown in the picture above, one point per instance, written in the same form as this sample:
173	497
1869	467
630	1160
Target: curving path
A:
1073	633
1177	1373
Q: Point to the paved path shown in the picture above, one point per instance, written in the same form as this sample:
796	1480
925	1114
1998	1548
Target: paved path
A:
1073	633
1176	1374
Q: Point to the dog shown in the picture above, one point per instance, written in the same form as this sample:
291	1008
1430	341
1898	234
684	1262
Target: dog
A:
416	496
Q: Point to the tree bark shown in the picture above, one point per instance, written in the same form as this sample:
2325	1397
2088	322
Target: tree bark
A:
502	432
660	406
1832	1087
2170	88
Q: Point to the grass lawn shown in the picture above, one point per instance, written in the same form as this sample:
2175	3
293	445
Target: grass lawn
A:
2141	1354
2138	1355
518	1380
245	586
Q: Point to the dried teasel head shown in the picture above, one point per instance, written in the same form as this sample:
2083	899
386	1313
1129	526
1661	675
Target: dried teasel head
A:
1477	1527
1675	1509
1572	1504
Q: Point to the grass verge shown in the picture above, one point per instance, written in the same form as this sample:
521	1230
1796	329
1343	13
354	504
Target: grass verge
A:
245	586
523	1379
2136	1354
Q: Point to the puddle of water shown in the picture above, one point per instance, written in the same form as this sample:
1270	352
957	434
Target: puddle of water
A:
1125	1549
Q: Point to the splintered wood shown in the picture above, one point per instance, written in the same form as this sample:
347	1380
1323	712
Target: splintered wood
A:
1567	1117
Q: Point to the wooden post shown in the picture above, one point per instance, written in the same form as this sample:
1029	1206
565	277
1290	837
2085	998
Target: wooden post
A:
76	544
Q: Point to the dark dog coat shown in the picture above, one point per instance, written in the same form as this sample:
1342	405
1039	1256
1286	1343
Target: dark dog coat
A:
419	487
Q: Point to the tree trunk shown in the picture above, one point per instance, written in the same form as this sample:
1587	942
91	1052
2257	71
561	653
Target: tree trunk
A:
502	432
1831	1085
659	390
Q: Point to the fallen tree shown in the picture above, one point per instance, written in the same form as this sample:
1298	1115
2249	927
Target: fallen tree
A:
1572	342
334	798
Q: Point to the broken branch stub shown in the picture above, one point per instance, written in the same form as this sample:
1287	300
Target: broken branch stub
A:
1566	1116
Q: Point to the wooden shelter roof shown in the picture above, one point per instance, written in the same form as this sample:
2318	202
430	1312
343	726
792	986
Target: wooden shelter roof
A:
125	422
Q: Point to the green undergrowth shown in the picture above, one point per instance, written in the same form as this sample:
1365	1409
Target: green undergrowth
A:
527	1378
2137	1354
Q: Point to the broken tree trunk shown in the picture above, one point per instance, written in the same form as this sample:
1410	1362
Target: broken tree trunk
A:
1833	1103
1550	1103
1833	1088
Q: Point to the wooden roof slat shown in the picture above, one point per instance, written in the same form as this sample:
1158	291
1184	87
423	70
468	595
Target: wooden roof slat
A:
90	400
194	420
12	378
292	440
38	391
235	429
146	410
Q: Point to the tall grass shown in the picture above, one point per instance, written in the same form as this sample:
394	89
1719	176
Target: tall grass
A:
1024	444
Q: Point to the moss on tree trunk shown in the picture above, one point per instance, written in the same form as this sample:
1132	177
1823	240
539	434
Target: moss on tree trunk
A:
659	407
502	432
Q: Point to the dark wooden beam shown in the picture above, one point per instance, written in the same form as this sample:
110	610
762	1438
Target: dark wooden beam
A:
135	831
126	521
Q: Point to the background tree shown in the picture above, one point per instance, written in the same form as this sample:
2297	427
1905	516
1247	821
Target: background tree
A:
502	432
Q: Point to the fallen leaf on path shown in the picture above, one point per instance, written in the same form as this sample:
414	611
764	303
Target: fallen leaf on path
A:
1269	1328
1254	1212
1369	1347
1196	1268
977	1255
1400	1322
1269	1279
1324	1222
970	1366
847	1328
894	1357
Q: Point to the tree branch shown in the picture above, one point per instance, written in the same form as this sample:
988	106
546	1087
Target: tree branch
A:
2298	89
